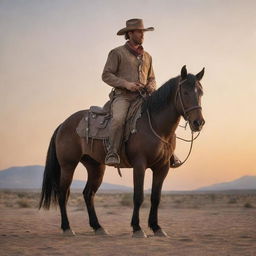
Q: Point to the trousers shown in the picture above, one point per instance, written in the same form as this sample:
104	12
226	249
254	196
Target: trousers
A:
119	109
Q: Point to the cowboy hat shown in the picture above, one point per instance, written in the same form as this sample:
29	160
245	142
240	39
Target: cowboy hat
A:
133	24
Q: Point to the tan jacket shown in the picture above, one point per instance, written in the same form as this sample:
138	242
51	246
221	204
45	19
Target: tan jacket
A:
123	66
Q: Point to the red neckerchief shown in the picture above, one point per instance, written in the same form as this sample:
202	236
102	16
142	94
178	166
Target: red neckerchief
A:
135	51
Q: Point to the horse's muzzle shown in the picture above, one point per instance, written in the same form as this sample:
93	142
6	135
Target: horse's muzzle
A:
197	125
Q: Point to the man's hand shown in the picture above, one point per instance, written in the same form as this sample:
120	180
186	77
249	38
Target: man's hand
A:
134	87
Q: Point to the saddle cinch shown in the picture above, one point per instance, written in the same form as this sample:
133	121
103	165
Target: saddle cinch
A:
96	124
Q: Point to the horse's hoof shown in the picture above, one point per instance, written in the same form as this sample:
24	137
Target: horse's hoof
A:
160	233
139	234
101	232
68	232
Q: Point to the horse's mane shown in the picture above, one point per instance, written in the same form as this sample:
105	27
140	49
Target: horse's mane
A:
160	98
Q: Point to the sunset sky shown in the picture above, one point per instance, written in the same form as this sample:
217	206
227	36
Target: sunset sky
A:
52	54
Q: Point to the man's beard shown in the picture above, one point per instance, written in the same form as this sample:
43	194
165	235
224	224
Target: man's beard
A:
139	42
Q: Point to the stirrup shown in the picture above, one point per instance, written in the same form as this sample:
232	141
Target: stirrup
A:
176	162
112	159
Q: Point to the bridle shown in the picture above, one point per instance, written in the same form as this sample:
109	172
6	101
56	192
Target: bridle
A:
184	113
178	95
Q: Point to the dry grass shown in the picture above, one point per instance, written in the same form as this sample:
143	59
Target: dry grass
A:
242	199
23	203
19	199
126	200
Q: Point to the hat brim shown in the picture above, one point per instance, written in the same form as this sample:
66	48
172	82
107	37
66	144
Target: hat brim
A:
124	30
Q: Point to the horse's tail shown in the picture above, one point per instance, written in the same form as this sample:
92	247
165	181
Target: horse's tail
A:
51	178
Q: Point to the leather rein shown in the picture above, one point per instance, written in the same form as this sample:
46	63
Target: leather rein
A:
184	114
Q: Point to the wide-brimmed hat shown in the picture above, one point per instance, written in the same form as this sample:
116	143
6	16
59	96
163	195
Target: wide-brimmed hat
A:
133	24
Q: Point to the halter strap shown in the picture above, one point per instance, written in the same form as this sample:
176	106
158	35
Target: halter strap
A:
178	94
192	108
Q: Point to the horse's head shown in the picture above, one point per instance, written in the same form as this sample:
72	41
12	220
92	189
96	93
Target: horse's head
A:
188	99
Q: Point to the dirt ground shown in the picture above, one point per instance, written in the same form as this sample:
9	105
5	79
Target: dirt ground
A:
197	224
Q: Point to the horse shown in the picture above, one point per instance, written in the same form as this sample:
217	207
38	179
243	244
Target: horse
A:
150	147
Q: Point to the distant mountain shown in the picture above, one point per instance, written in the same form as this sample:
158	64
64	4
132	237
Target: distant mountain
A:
245	182
30	177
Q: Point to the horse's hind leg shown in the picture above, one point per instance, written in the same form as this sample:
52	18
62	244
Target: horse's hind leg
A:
66	177
95	175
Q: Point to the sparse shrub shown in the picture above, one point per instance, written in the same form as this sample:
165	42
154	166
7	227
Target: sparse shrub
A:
80	202
248	205
212	197
21	194
126	200
33	195
145	204
9	204
82	208
110	212
99	198
232	201
23	203
178	203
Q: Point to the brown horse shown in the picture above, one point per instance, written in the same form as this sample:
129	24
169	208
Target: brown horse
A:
151	147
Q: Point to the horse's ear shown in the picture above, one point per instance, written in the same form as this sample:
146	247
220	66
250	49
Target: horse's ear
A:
183	72
200	75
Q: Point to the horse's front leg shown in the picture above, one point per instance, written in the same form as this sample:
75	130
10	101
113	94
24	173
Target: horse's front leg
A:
159	175
138	196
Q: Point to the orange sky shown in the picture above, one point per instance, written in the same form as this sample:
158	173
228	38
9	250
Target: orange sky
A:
53	53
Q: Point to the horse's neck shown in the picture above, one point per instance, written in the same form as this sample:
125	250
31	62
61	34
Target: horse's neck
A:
165	122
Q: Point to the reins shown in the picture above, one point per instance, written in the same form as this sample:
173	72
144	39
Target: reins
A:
185	114
185	127
152	129
167	142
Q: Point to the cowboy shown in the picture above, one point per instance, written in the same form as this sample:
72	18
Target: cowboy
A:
128	69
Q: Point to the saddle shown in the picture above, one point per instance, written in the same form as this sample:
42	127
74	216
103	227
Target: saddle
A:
96	124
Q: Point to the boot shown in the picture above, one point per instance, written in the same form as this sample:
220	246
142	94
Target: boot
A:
175	161
112	158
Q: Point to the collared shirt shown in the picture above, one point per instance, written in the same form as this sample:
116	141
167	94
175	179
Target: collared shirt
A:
123	66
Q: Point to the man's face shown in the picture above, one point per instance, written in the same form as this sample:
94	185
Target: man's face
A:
137	36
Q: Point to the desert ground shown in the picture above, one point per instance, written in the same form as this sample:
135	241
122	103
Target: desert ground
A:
197	224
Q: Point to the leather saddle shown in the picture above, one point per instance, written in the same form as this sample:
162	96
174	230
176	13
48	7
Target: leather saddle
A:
95	123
